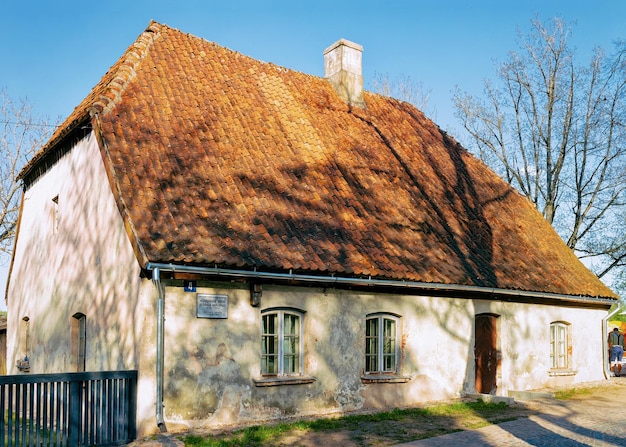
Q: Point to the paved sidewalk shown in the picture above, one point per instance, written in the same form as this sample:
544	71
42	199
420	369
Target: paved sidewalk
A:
598	422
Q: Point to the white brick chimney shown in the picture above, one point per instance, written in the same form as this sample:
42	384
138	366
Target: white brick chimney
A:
343	68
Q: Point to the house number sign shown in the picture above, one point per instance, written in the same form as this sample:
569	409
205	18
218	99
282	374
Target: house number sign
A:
212	306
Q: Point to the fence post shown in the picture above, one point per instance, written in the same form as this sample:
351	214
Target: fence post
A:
132	406
75	406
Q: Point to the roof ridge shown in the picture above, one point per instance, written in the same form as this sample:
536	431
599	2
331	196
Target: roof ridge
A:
126	72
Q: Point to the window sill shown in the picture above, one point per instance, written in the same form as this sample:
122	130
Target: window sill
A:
280	381
384	378
562	372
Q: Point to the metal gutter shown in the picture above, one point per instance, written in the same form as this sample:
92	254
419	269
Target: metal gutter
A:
373	282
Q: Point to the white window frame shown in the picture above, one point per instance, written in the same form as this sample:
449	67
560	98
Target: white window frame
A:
280	350
377	352
559	345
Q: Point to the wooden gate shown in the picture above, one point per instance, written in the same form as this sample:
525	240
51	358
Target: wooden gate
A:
486	353
68	410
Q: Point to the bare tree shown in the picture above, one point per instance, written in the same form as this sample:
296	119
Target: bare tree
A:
557	132
404	88
22	134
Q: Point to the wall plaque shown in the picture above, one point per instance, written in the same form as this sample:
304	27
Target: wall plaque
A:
212	306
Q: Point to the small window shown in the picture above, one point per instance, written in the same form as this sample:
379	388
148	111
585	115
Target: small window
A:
559	345
55	215
281	343
25	337
79	341
23	362
381	344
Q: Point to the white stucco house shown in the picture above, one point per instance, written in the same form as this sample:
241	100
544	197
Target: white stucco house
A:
261	243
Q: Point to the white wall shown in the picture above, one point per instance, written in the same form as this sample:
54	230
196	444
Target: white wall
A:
83	263
211	364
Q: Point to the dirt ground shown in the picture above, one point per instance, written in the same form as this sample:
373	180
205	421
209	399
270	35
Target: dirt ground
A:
395	431
398	430
390	432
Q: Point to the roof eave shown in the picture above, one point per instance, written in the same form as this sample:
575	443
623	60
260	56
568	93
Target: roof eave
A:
55	140
436	288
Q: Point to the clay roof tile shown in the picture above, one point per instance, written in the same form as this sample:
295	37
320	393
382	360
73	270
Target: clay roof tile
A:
220	159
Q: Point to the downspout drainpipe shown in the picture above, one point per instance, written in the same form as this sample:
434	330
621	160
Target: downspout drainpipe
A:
160	348
605	343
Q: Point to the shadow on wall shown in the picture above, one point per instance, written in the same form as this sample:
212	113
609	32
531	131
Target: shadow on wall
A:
73	256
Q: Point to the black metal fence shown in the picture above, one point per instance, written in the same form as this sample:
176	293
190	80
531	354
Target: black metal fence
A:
68	410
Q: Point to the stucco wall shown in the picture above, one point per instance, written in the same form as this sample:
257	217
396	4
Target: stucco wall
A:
76	259
211	364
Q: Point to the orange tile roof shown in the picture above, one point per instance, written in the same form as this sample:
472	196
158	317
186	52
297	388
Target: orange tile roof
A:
219	159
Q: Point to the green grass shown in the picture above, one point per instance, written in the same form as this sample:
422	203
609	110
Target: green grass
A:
571	392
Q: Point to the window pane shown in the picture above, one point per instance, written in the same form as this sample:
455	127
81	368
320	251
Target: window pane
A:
291	344
371	363
371	329
268	365
389	346
269	324
290	354
562	346
269	345
269	354
390	328
292	324
371	345
553	346
389	363
558	345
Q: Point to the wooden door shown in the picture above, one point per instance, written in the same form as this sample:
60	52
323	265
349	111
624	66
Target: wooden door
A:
486	353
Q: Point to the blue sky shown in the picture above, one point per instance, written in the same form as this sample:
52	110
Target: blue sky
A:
54	52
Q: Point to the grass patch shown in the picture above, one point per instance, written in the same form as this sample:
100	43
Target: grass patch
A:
375	429
565	394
